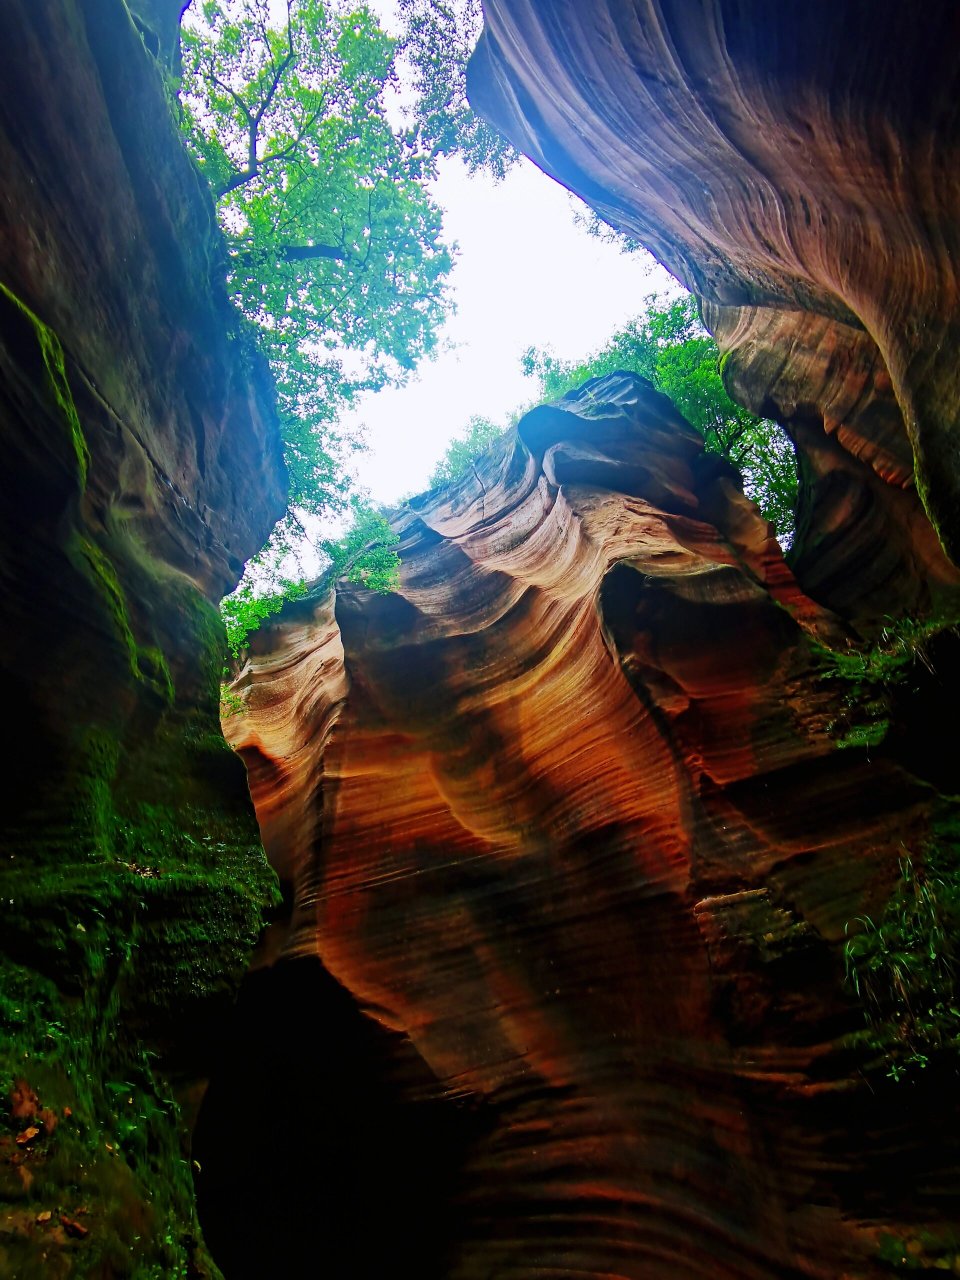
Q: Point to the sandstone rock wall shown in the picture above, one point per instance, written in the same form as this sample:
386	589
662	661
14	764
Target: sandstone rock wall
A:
795	166
588	811
142	465
569	815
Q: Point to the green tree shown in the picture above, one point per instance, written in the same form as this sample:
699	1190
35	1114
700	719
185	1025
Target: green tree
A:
335	249
246	608
437	41
669	346
462	451
366	553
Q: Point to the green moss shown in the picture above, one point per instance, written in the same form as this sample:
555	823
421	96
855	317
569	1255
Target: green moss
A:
139	942
108	1129
98	569
89	789
868	677
51	353
128	912
155	672
201	622
147	662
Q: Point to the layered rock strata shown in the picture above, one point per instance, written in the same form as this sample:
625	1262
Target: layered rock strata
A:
569	816
142	466
796	168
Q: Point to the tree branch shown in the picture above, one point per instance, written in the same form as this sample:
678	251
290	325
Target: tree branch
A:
295	253
302	252
281	68
232	93
238	180
254	118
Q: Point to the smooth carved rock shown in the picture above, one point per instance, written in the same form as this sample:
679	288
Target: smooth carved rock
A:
565	812
863	544
795	158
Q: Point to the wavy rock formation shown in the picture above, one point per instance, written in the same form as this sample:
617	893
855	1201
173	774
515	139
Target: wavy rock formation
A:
796	168
142	466
568	817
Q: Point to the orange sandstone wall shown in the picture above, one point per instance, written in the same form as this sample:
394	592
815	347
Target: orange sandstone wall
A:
795	166
566	814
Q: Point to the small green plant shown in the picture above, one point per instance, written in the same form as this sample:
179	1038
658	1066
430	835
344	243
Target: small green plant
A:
902	968
231	704
365	555
870	675
923	1250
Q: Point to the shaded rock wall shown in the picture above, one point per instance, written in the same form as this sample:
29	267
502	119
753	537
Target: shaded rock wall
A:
142	465
796	168
568	816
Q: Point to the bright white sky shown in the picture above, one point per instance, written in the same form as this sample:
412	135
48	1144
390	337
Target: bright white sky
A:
526	275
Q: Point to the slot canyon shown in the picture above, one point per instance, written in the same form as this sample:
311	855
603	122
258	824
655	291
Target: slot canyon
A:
503	930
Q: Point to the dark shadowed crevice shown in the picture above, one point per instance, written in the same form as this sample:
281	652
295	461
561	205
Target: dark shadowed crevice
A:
311	1152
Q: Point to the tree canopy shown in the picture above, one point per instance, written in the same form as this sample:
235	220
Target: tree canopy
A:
318	158
438	38
335	246
478	435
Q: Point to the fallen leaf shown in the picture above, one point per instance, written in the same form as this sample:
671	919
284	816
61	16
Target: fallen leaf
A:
72	1228
23	1101
45	1216
28	1135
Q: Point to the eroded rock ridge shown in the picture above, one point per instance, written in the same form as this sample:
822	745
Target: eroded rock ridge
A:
569	815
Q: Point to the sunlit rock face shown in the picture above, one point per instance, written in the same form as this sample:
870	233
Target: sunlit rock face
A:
566	814
795	166
141	467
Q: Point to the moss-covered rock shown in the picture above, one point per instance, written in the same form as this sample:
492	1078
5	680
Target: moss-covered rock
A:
127	923
142	466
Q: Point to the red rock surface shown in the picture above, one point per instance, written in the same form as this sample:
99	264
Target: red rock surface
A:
565	813
800	158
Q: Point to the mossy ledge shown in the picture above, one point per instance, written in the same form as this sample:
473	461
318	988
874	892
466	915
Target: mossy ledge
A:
49	351
131	893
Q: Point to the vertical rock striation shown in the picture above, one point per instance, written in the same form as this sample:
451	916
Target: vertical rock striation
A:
568	816
142	466
795	167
